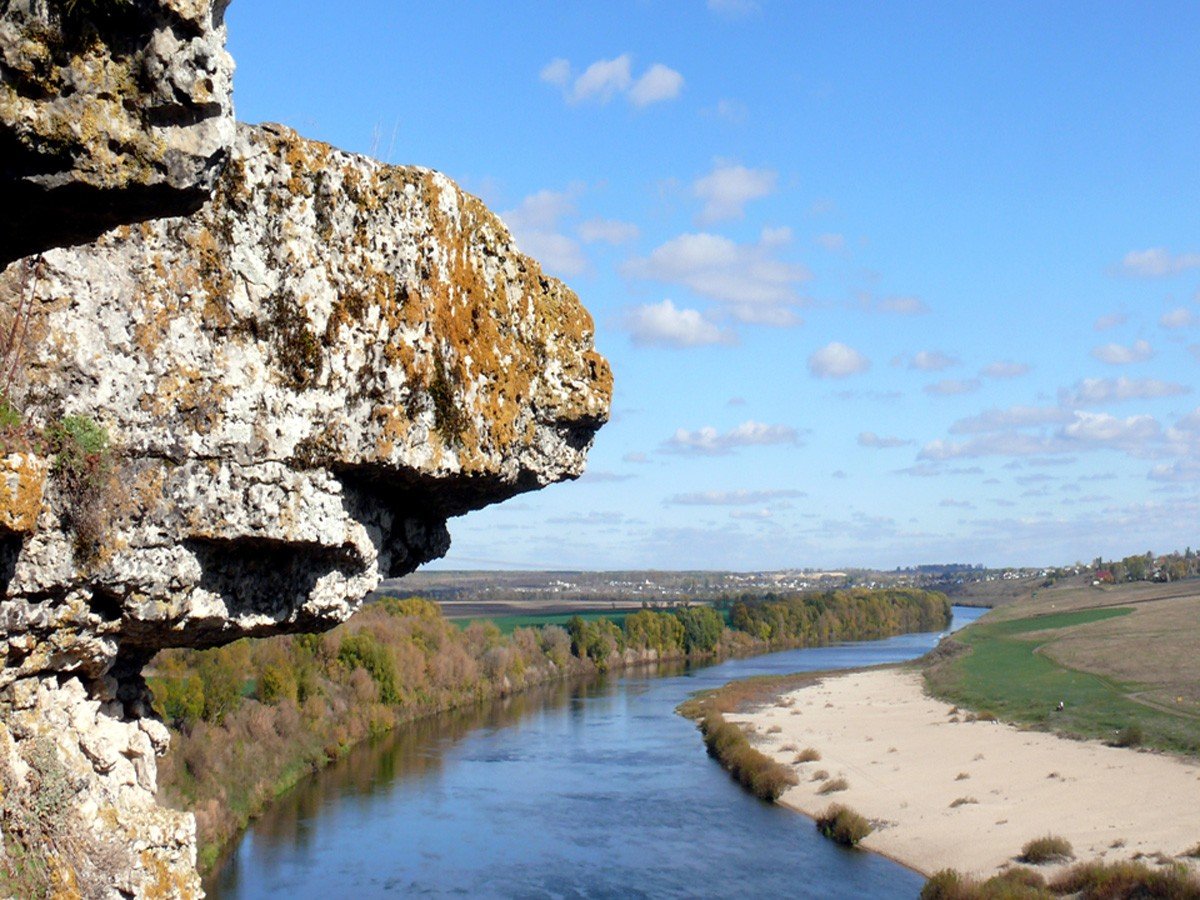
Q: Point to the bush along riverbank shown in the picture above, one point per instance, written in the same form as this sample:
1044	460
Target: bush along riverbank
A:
251	719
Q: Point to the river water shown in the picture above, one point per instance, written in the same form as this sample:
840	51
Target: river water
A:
591	791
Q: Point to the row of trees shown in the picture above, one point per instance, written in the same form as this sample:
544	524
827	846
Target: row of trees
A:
1146	566
251	718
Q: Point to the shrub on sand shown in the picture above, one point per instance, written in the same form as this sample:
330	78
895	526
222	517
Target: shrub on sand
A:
843	825
1049	848
1012	884
727	743
808	754
962	801
1129	736
833	785
1127	878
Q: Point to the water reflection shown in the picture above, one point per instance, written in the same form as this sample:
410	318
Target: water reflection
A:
586	790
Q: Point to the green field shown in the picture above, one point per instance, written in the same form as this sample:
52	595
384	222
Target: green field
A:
1004	673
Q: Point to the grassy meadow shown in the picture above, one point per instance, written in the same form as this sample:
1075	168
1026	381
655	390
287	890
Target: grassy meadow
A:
1122	660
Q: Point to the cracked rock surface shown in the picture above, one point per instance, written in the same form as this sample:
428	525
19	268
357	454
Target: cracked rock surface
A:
111	111
302	381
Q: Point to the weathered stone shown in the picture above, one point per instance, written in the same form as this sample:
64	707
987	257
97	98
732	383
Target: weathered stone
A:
111	111
22	477
302	382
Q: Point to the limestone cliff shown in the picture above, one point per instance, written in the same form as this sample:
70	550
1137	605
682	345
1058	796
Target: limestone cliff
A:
112	111
231	422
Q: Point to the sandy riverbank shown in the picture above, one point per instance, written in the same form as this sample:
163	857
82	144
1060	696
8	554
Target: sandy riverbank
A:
907	761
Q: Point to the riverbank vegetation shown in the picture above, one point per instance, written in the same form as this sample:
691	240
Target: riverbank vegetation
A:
843	825
1089	881
251	719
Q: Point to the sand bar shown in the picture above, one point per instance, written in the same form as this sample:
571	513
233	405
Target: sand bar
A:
907	761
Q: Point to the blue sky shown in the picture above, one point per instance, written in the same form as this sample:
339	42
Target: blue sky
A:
880	285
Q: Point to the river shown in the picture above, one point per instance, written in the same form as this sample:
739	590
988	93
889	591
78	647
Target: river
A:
591	791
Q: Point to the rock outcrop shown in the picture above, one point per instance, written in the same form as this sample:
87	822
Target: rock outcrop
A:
111	111
231	422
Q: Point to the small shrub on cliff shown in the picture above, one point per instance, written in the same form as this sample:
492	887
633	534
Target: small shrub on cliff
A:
843	825
82	466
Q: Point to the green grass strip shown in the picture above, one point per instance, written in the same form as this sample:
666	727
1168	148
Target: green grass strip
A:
1004	674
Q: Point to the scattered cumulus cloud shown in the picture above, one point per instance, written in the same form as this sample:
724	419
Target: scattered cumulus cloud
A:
871	439
605	79
1157	262
901	306
663	324
949	387
1085	431
1183	470
1112	320
1120	355
749	279
607	231
636	457
708	441
836	360
1180	317
732	498
728	188
535	226
659	83
1098	391
932	361
1005	369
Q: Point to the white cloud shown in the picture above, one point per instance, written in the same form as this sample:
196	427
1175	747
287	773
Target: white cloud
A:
1180	317
556	72
732	498
871	439
1085	431
1120	355
1005	369
608	78
657	84
635	457
1107	430
836	360
949	387
708	441
902	306
834	243
1179	471
728	188
1097	391
603	79
557	253
534	224
956	504
1157	261
932	361
607	231
1012	417
756	286
665	325
1112	320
